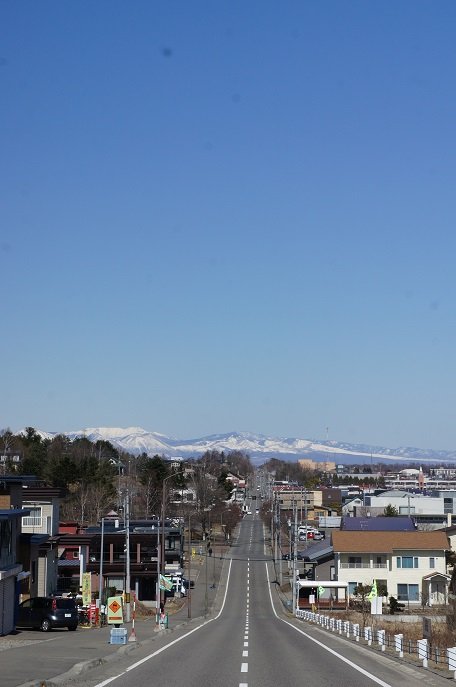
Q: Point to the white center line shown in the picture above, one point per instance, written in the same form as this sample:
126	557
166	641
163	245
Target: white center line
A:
246	644
245	653
244	667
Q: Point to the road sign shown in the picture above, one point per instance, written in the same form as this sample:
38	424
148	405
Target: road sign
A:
115	610
86	588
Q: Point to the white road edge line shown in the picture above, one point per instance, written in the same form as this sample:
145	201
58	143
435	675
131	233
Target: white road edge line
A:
323	646
175	641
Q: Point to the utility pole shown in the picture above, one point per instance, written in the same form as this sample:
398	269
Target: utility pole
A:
189	591
280	543
295	556
127	557
100	574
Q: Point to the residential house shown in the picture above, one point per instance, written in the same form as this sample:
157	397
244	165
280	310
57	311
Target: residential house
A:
81	552
411	565
11	571
38	549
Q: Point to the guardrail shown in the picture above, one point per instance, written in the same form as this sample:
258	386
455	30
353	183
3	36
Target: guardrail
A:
423	649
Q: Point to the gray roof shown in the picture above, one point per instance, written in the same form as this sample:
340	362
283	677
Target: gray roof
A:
320	549
400	523
10	513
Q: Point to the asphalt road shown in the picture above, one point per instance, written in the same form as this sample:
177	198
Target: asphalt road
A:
248	641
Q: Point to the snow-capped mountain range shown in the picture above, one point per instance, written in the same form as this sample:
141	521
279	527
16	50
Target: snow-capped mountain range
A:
260	448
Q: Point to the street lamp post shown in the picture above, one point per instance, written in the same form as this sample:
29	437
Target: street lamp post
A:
206	601
100	575
161	563
127	559
189	592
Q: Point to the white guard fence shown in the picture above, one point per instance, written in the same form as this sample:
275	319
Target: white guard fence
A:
422	649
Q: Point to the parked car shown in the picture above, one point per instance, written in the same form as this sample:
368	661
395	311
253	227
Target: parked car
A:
47	612
302	536
288	557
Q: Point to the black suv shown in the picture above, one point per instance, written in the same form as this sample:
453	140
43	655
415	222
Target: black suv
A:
46	612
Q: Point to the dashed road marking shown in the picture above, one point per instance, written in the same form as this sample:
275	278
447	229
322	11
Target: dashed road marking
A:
244	667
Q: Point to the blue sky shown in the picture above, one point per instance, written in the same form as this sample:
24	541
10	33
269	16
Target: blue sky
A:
225	216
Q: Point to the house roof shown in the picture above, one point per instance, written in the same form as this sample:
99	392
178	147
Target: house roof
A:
318	551
436	574
379	524
345	541
10	513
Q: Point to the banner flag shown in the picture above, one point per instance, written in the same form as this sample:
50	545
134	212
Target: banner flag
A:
373	592
165	583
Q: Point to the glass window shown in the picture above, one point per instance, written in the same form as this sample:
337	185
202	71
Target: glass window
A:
351	587
407	592
402	592
407	561
413	592
432	562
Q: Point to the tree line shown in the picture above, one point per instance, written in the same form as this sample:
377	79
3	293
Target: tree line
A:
96	477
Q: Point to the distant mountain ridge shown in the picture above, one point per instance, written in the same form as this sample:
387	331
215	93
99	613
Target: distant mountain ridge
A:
260	448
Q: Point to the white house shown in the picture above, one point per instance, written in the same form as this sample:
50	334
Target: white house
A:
410	564
40	529
407	503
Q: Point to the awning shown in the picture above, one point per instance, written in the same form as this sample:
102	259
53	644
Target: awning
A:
327	584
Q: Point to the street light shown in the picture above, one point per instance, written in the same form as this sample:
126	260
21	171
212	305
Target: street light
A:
189	593
206	601
161	563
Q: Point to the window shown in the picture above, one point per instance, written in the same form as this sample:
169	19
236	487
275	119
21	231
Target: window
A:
351	588
407	561
354	561
6	538
408	592
32	520
432	562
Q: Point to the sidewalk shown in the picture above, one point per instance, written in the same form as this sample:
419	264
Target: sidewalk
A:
49	653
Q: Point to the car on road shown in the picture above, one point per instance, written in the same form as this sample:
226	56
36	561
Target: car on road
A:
288	557
47	612
303	535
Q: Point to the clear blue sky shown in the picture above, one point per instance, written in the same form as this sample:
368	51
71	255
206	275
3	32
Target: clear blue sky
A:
223	216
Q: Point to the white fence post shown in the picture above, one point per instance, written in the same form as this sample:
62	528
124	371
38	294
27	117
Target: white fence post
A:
356	631
451	653
398	644
422	645
347	629
381	639
368	635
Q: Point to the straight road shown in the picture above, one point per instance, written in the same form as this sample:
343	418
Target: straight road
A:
250	642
